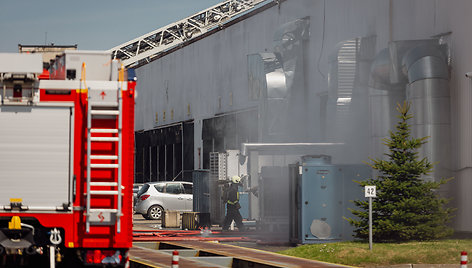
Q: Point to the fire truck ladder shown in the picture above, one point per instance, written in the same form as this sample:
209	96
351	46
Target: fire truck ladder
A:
148	46
104	104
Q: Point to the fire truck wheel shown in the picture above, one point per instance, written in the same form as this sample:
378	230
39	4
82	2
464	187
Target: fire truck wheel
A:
155	212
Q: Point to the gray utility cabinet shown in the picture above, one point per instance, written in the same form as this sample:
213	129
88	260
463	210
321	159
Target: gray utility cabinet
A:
320	198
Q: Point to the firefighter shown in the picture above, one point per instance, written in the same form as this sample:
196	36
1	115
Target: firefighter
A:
233	206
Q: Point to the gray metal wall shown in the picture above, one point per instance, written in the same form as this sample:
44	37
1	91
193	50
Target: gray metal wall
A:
210	76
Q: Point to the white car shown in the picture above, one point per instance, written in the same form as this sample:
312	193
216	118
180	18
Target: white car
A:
155	197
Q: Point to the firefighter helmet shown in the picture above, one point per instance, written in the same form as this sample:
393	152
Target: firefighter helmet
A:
236	179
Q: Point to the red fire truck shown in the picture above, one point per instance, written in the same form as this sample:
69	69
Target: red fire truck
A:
66	160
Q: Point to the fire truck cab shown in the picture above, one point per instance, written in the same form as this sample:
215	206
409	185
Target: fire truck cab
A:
66	160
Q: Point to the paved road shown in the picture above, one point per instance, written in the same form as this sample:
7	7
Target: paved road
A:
140	223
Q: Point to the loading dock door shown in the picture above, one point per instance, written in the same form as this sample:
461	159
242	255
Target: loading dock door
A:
35	155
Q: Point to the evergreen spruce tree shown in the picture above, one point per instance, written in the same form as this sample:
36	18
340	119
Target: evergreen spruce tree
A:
406	207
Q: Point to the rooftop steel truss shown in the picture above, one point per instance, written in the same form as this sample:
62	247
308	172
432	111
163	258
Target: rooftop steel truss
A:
148	46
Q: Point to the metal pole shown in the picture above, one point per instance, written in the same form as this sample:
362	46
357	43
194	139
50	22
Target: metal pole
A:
158	150
89	160
52	255
182	150
165	162
370	223
150	163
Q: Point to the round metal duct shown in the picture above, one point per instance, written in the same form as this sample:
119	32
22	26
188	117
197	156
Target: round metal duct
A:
320	229
380	71
425	61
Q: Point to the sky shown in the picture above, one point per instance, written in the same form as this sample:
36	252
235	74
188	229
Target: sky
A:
91	24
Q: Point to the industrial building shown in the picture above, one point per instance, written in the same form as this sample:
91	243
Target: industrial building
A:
48	52
312	82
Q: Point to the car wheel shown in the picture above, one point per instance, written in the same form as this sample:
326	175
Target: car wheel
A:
155	212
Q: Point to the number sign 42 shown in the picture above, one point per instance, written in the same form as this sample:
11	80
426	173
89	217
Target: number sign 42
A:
370	191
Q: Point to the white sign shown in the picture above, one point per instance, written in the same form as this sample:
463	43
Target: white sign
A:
101	217
370	191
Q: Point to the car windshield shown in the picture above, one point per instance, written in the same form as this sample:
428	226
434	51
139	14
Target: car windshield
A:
143	189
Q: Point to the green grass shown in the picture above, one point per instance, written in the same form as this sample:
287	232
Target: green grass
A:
358	254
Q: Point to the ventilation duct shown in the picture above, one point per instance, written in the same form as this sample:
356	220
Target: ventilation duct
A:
428	92
398	50
267	79
276	79
426	62
380	71
418	71
346	105
383	97
288	45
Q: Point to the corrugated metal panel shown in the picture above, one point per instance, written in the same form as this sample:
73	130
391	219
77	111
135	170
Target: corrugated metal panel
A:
34	155
218	172
347	63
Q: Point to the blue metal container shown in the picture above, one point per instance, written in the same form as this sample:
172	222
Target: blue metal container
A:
322	195
244	202
321	211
